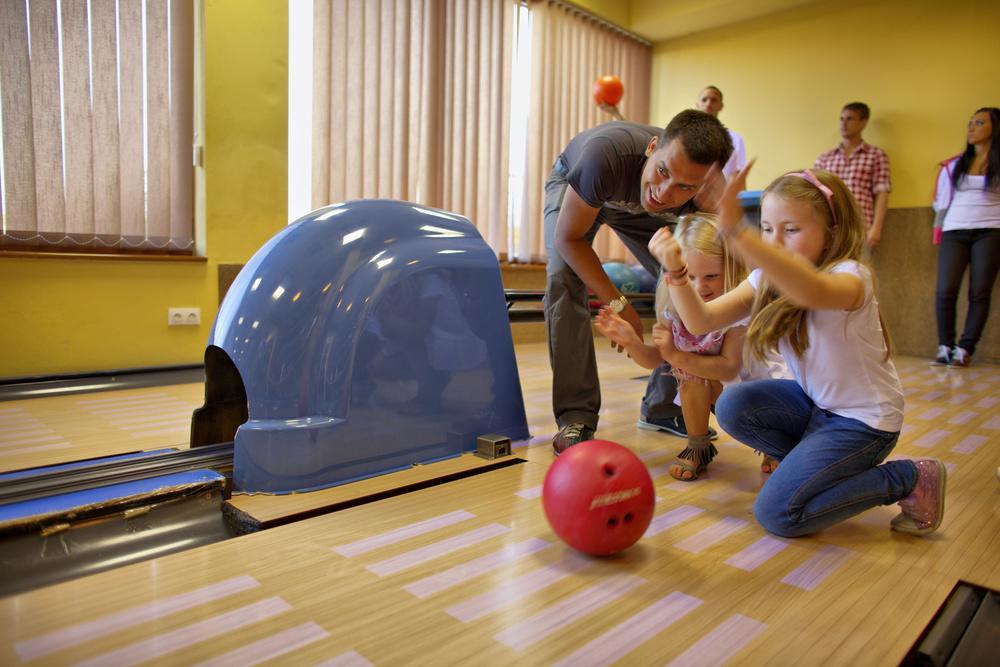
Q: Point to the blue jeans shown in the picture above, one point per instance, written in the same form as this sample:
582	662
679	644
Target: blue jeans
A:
829	468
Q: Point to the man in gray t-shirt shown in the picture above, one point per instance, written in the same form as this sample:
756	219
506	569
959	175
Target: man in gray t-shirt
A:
635	179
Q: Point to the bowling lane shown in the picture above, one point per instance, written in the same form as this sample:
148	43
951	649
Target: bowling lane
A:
47	431
470	572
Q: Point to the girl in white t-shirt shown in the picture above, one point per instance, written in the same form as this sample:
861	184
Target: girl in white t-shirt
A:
812	299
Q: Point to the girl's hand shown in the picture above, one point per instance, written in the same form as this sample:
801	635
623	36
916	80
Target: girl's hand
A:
666	250
663	338
710	193
616	328
730	209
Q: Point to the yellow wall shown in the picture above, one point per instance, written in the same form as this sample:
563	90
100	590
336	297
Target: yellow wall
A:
71	315
922	66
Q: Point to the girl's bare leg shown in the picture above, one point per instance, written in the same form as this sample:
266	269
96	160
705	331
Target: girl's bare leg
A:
696	403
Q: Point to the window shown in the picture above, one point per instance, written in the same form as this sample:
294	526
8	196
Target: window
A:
96	125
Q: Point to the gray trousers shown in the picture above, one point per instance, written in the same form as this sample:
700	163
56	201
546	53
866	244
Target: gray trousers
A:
576	390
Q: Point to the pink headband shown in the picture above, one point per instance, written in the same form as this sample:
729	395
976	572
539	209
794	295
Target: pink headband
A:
827	192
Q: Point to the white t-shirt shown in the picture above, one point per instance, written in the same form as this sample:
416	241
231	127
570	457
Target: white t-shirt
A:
969	206
738	159
844	369
772	367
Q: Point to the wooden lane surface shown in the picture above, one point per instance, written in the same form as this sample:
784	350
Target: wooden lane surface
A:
870	594
854	594
48	431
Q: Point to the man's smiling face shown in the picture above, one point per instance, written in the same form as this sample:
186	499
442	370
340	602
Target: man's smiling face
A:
670	178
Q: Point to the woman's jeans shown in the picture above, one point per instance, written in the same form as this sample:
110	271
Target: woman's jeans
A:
979	250
829	468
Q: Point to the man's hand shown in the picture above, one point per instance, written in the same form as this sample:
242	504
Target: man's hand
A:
614	327
666	250
874	236
663	338
613	110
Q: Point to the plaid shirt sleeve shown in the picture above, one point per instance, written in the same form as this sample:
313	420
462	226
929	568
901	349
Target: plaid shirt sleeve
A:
820	162
880	173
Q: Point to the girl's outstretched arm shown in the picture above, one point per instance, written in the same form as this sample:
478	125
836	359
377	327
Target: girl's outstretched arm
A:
724	366
621	333
698	316
793	276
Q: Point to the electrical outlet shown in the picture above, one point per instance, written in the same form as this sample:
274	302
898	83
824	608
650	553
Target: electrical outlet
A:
183	317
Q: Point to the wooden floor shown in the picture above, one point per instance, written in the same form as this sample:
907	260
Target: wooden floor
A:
470	573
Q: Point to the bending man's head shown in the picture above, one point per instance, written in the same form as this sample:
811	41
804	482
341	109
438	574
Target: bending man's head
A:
680	157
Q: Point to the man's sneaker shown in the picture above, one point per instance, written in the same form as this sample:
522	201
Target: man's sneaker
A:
923	509
960	358
674	425
943	356
569	435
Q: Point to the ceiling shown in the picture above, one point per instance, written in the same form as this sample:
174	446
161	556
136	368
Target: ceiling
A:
659	20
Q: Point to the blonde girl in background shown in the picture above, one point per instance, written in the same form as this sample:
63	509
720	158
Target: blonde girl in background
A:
699	363
812	298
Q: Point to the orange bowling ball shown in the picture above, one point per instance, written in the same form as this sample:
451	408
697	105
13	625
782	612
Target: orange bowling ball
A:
608	90
598	497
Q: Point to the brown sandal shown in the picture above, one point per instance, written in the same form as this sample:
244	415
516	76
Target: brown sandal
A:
695	458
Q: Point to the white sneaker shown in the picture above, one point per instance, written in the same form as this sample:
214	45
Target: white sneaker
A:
960	358
943	356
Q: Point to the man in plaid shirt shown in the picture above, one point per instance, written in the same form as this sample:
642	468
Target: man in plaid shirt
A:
863	168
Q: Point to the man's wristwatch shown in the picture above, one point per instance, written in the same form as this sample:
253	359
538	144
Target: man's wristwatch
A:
618	305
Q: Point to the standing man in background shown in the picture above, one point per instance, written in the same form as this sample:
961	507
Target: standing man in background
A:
862	167
635	179
710	101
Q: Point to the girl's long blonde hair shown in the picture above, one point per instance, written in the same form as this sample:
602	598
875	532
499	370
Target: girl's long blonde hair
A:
700	232
773	316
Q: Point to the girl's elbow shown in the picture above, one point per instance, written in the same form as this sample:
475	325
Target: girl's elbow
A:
731	372
698	328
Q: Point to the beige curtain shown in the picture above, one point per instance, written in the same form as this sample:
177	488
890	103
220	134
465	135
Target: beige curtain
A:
90	158
410	102
569	50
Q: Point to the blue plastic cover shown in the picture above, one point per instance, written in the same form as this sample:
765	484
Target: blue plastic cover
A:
369	336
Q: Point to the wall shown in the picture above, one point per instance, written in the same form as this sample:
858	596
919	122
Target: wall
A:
922	66
78	315
923	70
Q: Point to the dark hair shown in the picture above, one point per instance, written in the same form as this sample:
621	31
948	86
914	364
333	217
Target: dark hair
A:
860	107
716	89
704	138
992	159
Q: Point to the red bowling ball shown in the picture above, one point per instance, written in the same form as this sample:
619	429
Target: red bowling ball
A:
608	90
598	497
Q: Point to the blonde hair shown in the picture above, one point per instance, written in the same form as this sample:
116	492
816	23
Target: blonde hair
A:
700	232
773	316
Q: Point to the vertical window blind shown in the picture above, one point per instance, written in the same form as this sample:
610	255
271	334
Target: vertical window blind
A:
410	101
97	124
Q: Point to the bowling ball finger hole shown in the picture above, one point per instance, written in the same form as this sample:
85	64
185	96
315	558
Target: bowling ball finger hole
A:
609	470
612	521
627	518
